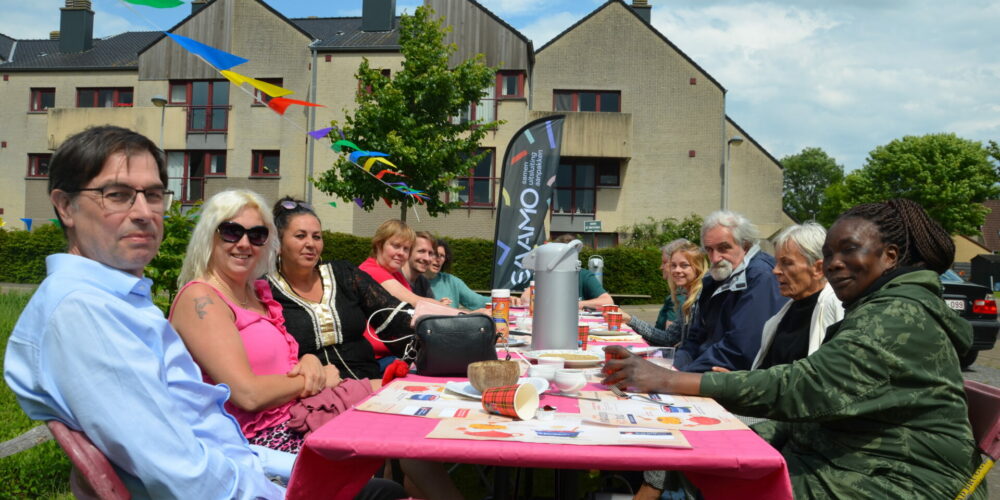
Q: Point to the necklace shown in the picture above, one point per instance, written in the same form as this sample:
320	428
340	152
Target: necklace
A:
246	298
314	272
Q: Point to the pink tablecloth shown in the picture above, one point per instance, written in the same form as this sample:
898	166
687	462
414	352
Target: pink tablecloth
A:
339	458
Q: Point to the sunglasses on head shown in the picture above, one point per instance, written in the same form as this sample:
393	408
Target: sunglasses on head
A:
232	232
291	205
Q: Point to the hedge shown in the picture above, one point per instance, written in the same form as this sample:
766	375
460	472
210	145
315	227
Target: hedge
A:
631	271
22	253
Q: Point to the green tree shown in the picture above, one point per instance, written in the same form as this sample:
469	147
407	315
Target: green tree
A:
409	117
166	266
949	176
656	233
807	175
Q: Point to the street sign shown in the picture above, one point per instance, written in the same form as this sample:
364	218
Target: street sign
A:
592	226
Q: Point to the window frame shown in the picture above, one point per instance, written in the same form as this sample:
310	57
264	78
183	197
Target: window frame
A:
575	100
210	109
35	104
115	96
472	110
260	98
181	194
34	160
258	156
471	178
598	163
501	75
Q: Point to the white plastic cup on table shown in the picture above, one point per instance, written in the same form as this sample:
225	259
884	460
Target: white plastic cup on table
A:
663	356
570	381
548	372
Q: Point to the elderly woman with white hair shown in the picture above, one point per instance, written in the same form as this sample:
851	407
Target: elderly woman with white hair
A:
798	328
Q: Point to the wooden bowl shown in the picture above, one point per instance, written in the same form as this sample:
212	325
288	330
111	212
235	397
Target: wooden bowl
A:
493	373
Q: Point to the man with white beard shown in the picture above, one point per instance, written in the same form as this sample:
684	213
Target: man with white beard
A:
737	298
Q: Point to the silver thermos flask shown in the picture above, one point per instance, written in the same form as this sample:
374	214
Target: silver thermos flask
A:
556	267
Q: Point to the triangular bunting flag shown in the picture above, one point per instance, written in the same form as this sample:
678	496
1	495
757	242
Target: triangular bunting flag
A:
280	104
159	4
220	59
320	133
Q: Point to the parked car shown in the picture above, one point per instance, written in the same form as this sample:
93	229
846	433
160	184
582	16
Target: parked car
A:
976	304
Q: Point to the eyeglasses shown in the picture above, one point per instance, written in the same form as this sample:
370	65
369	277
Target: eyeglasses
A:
119	198
290	205
231	232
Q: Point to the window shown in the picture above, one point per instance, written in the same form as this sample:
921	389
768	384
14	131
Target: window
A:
266	163
510	84
260	98
484	110
577	180
42	99
38	164
587	100
104	98
207	102
477	187
186	172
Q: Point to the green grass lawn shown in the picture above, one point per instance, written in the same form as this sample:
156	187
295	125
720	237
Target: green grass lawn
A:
43	471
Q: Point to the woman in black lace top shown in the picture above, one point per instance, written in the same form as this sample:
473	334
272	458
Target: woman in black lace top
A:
326	304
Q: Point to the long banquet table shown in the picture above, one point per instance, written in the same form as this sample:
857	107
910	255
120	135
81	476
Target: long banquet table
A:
338	459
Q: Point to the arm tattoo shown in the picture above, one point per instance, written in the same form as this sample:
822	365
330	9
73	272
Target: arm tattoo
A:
199	305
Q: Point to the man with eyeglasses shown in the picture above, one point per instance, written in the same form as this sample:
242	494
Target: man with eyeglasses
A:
92	351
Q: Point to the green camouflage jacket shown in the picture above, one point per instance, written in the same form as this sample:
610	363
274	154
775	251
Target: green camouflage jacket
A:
879	410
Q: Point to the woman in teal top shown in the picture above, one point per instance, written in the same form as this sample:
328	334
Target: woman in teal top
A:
451	286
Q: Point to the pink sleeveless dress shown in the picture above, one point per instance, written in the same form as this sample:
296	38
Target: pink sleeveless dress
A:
270	350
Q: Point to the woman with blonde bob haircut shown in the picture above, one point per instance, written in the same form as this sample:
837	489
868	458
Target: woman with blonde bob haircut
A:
684	266
234	328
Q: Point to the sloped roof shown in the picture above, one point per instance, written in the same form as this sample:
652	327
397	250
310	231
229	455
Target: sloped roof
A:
114	52
345	34
643	21
991	226
6	45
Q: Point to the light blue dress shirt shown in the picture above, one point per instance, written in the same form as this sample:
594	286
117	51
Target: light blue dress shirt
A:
92	351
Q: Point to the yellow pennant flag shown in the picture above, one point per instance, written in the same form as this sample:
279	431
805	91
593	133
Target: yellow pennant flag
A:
267	88
371	161
234	77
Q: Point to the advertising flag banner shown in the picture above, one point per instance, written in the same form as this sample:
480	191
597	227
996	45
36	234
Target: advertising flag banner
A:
526	179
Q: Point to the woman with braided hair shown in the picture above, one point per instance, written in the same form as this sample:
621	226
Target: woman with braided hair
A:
878	411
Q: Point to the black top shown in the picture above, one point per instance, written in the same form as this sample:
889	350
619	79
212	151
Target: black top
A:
422	287
333	329
791	339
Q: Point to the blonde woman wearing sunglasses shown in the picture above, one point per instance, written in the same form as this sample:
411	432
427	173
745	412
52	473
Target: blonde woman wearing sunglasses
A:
232	325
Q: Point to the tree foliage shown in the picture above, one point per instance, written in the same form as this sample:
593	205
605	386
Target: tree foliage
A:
164	269
656	233
409	117
807	175
949	176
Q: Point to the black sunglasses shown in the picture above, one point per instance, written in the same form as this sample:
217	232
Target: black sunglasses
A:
232	232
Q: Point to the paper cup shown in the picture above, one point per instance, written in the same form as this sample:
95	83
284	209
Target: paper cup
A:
606	308
518	401
583	331
614	319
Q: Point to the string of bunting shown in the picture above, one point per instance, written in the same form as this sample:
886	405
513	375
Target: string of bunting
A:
223	62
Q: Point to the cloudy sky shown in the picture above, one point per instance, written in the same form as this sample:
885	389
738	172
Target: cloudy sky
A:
845	76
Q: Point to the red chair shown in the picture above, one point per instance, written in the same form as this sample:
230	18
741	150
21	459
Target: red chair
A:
984	415
99	479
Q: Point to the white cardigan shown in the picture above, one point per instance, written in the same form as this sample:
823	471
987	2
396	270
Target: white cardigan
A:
828	311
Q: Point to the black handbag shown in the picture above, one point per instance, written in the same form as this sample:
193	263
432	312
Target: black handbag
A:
445	345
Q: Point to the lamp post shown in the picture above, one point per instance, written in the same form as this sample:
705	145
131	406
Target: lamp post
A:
737	140
160	102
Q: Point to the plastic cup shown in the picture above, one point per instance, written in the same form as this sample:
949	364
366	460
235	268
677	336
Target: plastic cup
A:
663	356
606	308
583	331
517	401
614	319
